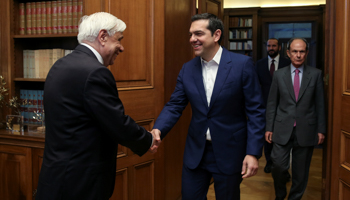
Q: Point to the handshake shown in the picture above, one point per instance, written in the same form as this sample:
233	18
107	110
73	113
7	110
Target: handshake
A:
156	140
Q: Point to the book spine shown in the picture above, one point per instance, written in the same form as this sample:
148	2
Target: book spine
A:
46	62
29	18
25	62
30	106
38	17
75	16
35	105
70	16
80	11
43	18
34	18
22	19
31	64
48	17
64	16
24	102
36	63
59	17
54	17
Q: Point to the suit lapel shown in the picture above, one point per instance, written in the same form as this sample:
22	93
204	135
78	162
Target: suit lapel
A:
288	81
267	70
198	79
304	81
223	71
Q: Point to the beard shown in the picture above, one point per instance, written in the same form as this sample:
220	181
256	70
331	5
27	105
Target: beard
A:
272	53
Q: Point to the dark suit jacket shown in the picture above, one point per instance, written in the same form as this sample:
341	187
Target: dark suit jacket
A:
309	111
265	78
85	122
235	115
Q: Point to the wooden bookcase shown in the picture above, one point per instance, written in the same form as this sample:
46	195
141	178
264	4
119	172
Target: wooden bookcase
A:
22	154
241	31
37	41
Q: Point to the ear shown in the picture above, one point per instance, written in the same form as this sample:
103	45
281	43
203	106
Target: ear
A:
217	35
288	53
102	37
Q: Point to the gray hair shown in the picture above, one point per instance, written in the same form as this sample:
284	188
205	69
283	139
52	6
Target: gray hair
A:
90	26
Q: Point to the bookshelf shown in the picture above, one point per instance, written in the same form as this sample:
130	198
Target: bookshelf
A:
41	33
26	148
241	30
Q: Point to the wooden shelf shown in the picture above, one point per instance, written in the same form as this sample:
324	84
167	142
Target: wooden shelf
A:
46	36
234	17
29	79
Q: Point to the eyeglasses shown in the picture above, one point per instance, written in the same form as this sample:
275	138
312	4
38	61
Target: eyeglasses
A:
295	52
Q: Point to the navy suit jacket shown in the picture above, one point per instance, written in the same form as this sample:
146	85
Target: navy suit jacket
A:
265	78
235	115
85	122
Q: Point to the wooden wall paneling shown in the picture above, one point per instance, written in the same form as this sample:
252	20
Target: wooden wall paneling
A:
338	65
121	185
138	72
5	44
92	6
329	72
15	172
177	51
215	7
143	181
134	67
344	190
37	160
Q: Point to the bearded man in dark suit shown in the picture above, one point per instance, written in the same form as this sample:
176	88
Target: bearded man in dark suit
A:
265	68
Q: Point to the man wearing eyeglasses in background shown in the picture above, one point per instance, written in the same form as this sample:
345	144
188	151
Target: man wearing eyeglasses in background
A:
295	119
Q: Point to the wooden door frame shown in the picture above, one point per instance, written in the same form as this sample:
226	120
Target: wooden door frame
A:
337	65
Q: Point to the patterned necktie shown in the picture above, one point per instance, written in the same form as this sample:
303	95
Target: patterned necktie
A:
272	67
296	84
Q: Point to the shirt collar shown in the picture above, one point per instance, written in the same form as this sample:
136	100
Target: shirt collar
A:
277	58
292	68
98	55
216	58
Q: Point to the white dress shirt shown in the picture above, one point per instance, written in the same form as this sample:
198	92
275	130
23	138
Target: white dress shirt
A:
209	71
277	58
98	56
292	71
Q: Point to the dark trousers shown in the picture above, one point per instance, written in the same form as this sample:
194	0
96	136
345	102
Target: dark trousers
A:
267	150
301	159
195	182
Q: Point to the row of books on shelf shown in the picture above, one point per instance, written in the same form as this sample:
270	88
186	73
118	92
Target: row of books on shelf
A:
248	45
37	63
240	34
32	105
50	17
240	22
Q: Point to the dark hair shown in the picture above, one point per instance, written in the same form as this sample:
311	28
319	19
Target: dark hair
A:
278	41
292	39
214	23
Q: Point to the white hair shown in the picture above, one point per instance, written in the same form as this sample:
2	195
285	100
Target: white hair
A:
90	26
